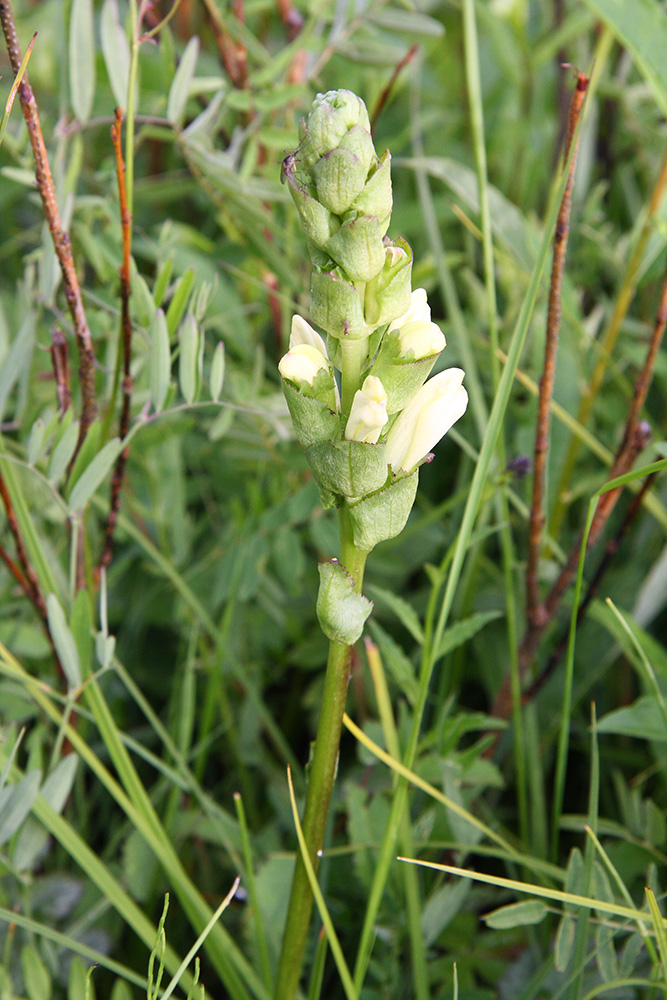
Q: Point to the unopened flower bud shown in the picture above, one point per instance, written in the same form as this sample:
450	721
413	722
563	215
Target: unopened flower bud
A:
302	363
419	309
368	414
303	333
421	340
388	295
426	418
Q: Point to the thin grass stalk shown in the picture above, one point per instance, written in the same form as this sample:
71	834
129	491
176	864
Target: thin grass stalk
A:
583	920
317	974
507	546
445	279
475	494
262	947
334	943
410	883
68	943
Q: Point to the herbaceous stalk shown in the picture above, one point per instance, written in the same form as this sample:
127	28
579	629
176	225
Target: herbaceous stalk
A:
361	406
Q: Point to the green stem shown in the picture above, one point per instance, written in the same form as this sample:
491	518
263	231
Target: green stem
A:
320	784
354	355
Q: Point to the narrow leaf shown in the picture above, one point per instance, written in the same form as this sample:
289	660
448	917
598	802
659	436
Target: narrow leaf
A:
82	58
116	51
189	339
94	475
160	366
63	640
640	27
35	441
35	974
217	371
18	358
531	911
643	720
459	633
16	801
63	451
405	613
180	85
179	301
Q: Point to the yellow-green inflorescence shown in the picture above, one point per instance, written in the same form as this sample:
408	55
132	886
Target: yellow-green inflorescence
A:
365	447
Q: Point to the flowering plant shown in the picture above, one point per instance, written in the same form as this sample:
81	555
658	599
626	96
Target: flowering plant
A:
366	440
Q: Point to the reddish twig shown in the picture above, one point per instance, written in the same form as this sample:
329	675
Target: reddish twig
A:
30	583
61	240
628	450
241	53
232	54
126	336
291	18
534	610
272	286
633	441
593	587
59	360
384	96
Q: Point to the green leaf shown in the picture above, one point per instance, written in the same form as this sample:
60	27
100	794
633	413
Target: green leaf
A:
396	662
459	633
18	359
94	475
189	376
640	27
605	953
35	441
116	51
160	364
180	85
35	974
409	21
217	371
82	58
162	281
405	613
86	452
179	301
63	451
81	624
55	790
564	942
16	801
441	908
530	911
79	987
63	640
643	720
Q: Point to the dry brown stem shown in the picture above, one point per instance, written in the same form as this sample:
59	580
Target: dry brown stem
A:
384	96
635	437
29	580
232	54
534	610
61	240
126	337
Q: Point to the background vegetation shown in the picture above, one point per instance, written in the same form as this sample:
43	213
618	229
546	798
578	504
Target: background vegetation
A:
148	753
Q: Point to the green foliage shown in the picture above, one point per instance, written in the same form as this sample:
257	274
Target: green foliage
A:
189	671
